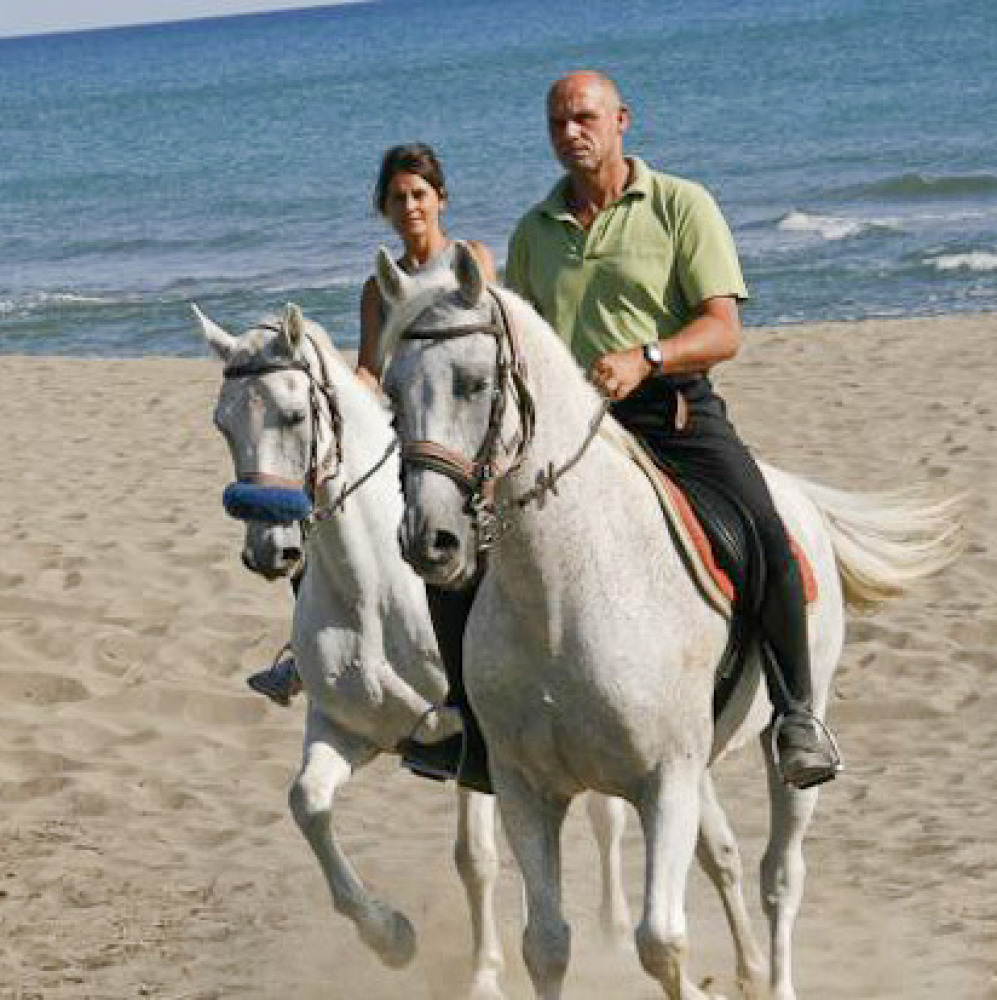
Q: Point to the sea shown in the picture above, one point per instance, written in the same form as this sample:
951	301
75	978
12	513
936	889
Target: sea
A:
852	145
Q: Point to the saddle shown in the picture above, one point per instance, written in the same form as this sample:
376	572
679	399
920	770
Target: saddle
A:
716	538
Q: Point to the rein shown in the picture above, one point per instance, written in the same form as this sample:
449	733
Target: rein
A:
479	476
318	470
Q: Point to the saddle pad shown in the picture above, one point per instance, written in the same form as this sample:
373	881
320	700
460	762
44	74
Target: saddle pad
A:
694	545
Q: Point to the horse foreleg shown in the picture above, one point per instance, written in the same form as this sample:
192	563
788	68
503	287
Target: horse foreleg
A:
608	818
326	767
669	814
533	824
720	858
476	857
783	871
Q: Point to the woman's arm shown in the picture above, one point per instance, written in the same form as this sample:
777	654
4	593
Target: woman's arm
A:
370	331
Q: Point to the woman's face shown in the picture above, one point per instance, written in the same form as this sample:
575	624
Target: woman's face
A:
412	206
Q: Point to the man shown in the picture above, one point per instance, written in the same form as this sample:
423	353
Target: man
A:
638	273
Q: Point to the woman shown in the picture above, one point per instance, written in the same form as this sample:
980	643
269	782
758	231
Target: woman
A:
411	194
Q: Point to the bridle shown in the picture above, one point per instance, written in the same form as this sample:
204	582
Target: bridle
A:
319	470
478	477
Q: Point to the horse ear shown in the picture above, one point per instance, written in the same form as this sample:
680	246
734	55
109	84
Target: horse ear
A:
470	279
392	281
222	343
293	326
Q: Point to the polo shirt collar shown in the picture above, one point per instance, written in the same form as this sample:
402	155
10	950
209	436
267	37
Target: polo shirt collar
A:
556	203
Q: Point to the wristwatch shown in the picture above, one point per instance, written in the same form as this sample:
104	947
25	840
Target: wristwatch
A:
652	355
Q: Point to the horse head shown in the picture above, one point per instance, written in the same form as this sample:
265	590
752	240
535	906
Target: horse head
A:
280	420
450	381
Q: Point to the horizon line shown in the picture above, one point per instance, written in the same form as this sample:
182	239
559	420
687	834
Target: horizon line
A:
156	22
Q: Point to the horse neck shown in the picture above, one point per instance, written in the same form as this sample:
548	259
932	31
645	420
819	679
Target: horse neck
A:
360	537
593	493
566	403
366	430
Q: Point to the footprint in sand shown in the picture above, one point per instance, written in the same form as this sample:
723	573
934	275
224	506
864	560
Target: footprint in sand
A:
44	787
41	688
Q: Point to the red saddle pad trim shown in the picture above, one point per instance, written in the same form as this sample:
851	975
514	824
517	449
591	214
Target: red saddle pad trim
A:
704	549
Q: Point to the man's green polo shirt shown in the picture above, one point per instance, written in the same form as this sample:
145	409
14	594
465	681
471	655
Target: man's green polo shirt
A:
636	275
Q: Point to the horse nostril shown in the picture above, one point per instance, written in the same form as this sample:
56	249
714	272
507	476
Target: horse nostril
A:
291	554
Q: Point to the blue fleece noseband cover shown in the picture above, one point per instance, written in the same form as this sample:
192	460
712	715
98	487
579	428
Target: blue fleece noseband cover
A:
272	504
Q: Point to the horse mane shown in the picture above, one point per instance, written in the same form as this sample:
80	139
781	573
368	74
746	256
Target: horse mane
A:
551	367
337	371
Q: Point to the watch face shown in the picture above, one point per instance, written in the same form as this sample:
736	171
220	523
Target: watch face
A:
652	354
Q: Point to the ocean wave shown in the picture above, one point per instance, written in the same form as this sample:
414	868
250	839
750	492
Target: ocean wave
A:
34	302
829	227
925	186
974	260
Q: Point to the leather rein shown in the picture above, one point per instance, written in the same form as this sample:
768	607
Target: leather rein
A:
319	470
478	477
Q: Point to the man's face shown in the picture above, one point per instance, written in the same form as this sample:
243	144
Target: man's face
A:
586	124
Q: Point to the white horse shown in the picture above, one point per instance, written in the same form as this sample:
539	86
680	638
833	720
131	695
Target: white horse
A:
293	413
590	653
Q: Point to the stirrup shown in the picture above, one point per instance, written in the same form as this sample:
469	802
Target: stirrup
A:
280	681
808	776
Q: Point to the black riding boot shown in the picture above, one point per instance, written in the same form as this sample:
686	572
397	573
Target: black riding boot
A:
806	754
466	758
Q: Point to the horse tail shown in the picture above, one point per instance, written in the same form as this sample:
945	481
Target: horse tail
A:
885	542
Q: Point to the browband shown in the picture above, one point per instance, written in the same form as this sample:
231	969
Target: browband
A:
449	333
245	371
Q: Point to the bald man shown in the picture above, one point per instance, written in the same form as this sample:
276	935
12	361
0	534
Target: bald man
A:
637	272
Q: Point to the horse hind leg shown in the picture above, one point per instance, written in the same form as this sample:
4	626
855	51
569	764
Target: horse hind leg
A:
783	870
608	819
720	859
476	858
325	769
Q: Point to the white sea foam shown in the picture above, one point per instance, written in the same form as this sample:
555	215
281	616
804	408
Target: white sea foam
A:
34	302
975	260
828	227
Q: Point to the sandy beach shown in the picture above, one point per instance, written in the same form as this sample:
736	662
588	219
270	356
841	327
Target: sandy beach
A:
145	845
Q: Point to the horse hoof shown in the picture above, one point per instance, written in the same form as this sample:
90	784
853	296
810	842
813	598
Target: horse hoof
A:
391	935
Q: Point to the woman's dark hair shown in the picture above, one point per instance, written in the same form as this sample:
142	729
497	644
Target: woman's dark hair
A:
411	158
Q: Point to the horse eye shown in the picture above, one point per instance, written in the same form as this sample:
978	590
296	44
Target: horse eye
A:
469	386
293	418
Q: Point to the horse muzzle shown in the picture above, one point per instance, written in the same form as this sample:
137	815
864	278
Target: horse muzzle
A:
272	550
436	554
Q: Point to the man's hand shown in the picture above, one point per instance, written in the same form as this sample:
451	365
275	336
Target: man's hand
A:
616	375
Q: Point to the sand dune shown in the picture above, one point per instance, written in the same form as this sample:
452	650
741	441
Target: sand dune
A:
145	847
